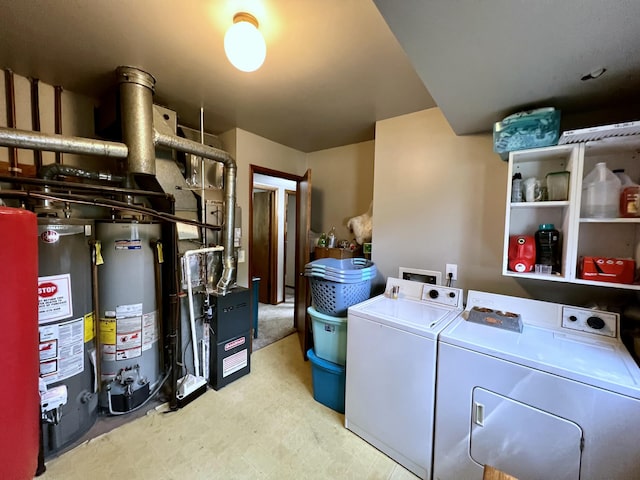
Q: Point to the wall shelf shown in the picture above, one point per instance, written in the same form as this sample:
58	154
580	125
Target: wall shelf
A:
580	237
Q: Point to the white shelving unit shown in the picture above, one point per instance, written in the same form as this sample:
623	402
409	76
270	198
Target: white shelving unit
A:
611	237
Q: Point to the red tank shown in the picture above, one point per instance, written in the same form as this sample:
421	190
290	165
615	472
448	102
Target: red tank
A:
19	360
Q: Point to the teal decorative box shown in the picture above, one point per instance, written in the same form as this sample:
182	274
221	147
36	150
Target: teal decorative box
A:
528	129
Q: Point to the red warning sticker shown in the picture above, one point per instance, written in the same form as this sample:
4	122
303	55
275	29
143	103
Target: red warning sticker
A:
234	343
49	236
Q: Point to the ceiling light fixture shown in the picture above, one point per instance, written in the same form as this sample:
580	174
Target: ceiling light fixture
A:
244	44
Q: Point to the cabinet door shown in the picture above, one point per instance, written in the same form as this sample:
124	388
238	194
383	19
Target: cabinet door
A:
608	238
524	218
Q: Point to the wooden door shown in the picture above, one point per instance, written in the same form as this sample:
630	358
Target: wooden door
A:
303	227
262	261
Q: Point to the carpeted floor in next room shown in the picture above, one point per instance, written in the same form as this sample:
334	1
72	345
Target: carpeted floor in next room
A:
265	425
275	321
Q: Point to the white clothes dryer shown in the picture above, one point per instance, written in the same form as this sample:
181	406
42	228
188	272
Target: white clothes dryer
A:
559	399
391	366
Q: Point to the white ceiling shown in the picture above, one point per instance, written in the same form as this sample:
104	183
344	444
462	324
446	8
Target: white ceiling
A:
334	67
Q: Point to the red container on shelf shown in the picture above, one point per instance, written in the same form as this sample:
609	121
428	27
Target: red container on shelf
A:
601	269
522	253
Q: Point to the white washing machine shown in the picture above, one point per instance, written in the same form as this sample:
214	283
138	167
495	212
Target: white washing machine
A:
391	366
558	400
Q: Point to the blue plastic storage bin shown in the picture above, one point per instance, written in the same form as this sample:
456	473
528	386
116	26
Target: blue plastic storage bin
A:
329	336
328	382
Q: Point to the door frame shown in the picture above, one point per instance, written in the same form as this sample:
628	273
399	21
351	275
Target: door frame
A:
302	297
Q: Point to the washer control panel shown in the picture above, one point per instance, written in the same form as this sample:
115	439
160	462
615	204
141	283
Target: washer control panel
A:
591	321
448	296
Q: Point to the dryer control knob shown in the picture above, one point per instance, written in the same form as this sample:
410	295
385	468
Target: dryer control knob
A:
452	295
595	322
434	293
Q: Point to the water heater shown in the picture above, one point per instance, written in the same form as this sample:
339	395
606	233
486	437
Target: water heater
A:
129	325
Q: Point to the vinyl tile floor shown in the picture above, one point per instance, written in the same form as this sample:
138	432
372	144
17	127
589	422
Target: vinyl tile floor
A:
265	425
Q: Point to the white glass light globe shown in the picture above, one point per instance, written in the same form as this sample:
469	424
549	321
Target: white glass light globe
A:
245	47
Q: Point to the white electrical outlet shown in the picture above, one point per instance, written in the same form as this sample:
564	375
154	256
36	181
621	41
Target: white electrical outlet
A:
452	269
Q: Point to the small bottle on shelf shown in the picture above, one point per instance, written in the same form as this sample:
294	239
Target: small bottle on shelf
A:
322	241
516	188
548	244
331	238
629	195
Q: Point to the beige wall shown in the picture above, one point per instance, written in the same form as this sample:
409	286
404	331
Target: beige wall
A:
250	149
342	186
77	120
440	198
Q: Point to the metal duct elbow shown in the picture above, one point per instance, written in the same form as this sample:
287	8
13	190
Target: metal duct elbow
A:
228	277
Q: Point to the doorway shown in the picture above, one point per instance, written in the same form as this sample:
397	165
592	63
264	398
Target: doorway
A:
274	257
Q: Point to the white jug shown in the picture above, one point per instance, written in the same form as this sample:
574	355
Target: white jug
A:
600	193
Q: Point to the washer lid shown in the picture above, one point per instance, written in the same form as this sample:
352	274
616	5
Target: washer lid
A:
419	317
600	362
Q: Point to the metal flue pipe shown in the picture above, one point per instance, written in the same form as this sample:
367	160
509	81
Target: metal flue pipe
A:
136	108
11	137
188	146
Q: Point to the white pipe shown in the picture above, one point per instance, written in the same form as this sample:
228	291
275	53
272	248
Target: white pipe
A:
192	319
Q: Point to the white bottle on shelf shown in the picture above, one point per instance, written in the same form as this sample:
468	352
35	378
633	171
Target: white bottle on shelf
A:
600	193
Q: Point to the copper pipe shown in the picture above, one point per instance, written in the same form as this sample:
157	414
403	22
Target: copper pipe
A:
11	119
96	309
156	246
58	117
35	120
174	320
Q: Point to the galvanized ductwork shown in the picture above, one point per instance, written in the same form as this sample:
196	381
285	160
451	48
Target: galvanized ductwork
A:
49	142
140	138
136	106
228	278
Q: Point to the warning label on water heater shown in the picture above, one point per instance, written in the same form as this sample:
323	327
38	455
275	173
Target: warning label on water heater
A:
128	331
54	298
61	350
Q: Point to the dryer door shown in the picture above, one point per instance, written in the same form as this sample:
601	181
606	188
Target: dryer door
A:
523	441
